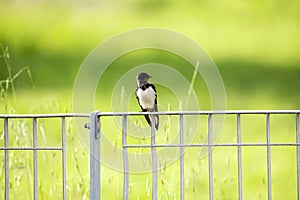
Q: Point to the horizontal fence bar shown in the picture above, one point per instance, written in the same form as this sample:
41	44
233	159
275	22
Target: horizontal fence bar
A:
211	145
154	113
221	112
31	148
44	115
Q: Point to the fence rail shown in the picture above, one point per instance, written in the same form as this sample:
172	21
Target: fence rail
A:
35	148
210	145
95	137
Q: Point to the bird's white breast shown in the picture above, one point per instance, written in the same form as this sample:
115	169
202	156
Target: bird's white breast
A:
146	98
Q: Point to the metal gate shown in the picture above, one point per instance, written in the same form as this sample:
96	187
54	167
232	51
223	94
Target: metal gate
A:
34	148
95	138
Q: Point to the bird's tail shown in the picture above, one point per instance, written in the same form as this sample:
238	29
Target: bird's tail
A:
156	118
156	121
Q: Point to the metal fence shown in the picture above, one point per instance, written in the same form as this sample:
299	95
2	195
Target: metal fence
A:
95	137
35	148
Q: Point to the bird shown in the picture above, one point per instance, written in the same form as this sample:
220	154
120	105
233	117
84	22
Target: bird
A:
147	97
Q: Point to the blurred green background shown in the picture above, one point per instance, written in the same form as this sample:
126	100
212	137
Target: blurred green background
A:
255	44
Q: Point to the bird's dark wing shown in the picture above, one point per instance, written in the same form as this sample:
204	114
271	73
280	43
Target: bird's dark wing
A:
147	117
155	109
156	117
153	87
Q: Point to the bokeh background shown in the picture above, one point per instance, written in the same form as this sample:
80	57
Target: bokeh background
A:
255	45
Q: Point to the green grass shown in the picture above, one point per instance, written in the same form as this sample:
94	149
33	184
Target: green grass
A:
196	167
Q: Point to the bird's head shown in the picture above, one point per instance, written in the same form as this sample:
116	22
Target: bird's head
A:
142	78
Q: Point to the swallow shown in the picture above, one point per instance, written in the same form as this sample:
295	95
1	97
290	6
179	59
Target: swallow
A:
147	97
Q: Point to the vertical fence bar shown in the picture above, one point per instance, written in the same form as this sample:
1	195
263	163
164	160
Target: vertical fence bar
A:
269	156
35	162
94	156
181	158
63	143
125	159
298	153
6	182
210	158
239	141
154	159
